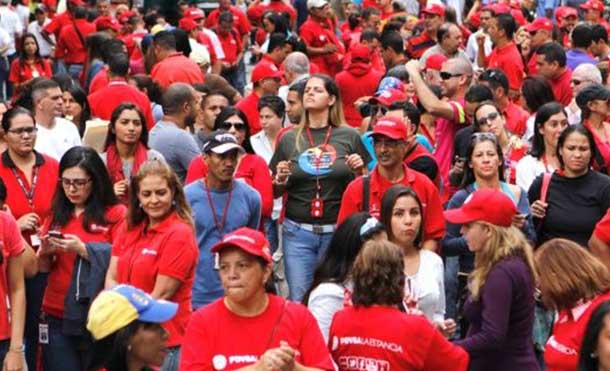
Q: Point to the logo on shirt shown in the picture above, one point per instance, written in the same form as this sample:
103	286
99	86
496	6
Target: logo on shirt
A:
96	228
318	160
220	362
335	343
371	342
146	251
363	364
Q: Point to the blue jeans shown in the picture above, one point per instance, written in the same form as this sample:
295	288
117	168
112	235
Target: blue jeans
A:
237	76
271	231
172	359
34	291
63	352
452	267
302	251
74	71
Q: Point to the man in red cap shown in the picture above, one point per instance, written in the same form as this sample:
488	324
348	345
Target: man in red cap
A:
449	44
432	68
207	38
594	9
541	32
266	79
359	79
434	16
199	52
390	143
107	24
71	43
317	32
172	66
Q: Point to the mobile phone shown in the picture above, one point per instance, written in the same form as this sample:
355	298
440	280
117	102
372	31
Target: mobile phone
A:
56	234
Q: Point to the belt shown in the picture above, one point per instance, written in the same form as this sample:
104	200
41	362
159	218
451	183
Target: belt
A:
315	228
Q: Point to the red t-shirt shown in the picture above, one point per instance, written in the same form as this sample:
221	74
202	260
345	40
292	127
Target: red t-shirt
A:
561	87
516	118
231	46
252	169
281	7
60	275
508	59
57	23
603	147
434	222
563	347
104	101
317	35
12	245
168	249
240	21
532	68
69	46
218	339
602	229
176	68
360	339
249	106
100	80
22	73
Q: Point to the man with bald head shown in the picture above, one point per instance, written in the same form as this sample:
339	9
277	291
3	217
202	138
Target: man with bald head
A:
169	135
449	44
456	75
296	68
583	75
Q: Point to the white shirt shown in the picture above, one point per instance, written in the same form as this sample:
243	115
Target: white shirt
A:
199	53
24	15
262	147
529	129
324	301
220	54
528	169
36	29
5	40
472	48
427	286
10	22
58	140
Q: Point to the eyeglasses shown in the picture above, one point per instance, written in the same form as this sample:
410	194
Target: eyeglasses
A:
485	120
576	82
77	183
391	143
484	136
25	130
448	75
227	125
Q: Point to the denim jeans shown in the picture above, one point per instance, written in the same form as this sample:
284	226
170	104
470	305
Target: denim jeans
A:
237	76
271	230
172	360
74	71
34	291
452	266
302	251
63	352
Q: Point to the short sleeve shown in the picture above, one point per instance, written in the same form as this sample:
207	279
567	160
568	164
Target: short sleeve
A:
179	255
602	229
194	354
314	352
13	242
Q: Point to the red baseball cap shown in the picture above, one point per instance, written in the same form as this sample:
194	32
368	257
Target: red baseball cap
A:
518	17
485	205
498	8
434	9
388	96
194	13
76	2
249	240
594	5
265	71
435	61
360	51
391	127
187	24
564	12
540	24
106	22
124	17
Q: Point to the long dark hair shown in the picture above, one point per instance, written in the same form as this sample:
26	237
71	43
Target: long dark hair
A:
468	177
587	362
102	193
341	253
80	97
229	111
22	56
111	137
581	130
387	205
543	114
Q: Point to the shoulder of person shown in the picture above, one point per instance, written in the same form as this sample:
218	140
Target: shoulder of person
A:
116	212
326	289
154	155
432	257
460	196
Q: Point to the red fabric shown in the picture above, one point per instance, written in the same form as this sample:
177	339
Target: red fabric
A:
517	152
376	61
57	23
217	337
43	194
168	249
99	81
252	169
130	43
602	229
280	6
176	68
561	87
104	101
205	40
317	35
240	20
417	45
532	69
516	118
69	47
563	347
115	165
60	275
602	147
434	225
231	45
508	59
421	151
12	246
358	80
249	106
360	335
19	74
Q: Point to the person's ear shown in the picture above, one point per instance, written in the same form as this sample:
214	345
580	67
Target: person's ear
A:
332	100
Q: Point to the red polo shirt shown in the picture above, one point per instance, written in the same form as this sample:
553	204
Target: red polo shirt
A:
434	222
508	59
60	275
231	46
57	23
69	46
240	20
603	147
22	73
12	246
561	87
602	229
99	81
46	181
104	101
516	118
249	106
532	69
167	249
176	68
317	35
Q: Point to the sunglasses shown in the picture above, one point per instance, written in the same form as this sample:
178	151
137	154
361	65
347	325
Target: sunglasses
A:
77	183
484	121
227	125
449	75
25	130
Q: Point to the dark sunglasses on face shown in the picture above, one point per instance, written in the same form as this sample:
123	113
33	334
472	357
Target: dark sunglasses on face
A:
484	120
24	130
227	125
448	75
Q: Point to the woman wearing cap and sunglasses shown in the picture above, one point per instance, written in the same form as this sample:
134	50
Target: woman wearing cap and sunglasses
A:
248	326
593	101
500	305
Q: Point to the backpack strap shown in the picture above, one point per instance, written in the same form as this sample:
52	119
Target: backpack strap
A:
366	191
544	190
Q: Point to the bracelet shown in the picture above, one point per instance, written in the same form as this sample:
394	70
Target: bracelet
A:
20	349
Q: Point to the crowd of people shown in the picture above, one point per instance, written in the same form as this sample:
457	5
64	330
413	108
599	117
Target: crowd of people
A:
293	185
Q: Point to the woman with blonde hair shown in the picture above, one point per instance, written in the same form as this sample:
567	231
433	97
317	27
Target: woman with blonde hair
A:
156	251
574	283
313	163
500	306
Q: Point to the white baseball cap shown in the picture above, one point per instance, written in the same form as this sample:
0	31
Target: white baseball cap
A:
316	3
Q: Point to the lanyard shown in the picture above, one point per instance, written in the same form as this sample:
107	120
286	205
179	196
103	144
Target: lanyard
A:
28	194
318	157
219	226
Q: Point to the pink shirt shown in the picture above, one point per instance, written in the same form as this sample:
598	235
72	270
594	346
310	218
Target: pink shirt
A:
444	133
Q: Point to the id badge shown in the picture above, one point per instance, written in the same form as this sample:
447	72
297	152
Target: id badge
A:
317	207
43	333
35	240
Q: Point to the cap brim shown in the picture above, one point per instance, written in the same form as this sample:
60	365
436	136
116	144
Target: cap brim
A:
430	12
226	147
387	135
222	245
160	311
457	216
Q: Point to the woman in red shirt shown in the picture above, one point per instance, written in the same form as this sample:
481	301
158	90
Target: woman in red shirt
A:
156	250
84	210
574	283
30	64
251	168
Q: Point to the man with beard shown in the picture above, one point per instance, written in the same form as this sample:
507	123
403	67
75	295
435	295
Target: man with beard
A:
294	102
169	136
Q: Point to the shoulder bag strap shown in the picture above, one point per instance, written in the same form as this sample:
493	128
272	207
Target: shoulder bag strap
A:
80	35
277	324
544	190
366	190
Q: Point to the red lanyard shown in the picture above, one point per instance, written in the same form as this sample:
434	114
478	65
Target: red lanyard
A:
318	157
28	194
219	226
